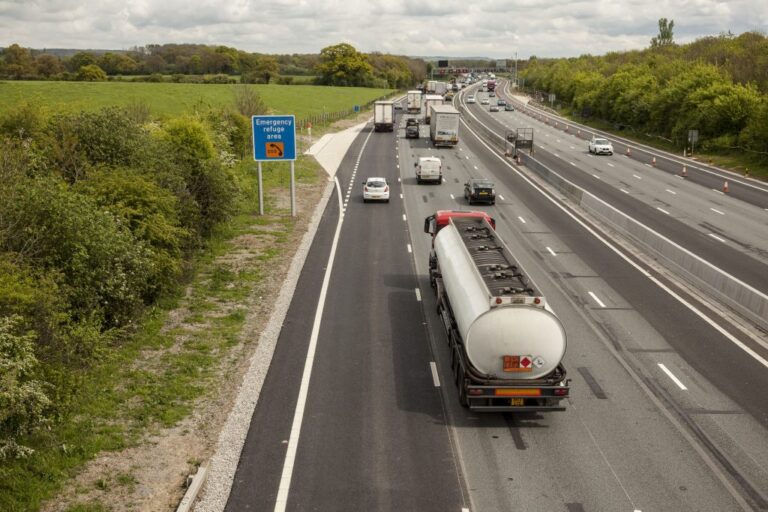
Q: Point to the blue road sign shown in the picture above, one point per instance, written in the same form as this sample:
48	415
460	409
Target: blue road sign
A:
357	108
274	138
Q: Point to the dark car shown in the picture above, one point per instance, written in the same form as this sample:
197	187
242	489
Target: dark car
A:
501	102
509	107
412	128
479	190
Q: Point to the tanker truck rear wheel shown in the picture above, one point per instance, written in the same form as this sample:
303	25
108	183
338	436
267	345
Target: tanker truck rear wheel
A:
463	393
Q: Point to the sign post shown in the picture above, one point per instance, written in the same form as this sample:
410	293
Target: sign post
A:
274	139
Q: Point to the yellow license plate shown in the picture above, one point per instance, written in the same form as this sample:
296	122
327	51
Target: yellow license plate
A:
518	402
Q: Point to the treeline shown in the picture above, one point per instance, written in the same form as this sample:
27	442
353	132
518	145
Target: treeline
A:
716	85
99	213
189	62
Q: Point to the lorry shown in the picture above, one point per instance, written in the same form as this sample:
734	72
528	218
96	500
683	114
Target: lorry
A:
429	168
506	343
491	85
441	88
444	125
414	102
384	116
429	101
431	84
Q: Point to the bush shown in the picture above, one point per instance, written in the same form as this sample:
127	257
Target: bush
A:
248	102
109	136
152	215
24	120
22	399
91	73
102	268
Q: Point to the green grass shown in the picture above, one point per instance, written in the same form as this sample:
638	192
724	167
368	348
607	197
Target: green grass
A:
169	100
118	401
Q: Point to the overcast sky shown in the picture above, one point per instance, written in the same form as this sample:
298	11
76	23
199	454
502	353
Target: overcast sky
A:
454	28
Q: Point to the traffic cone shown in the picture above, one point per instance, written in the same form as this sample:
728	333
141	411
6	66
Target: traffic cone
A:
685	172
578	133
653	162
725	187
566	128
629	151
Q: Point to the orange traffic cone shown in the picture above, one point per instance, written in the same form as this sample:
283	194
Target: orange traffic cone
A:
685	172
653	162
725	187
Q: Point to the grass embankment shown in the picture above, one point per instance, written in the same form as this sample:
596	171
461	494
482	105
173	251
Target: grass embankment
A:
153	381
170	100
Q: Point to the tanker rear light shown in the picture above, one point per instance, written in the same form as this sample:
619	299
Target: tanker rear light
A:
561	392
517	392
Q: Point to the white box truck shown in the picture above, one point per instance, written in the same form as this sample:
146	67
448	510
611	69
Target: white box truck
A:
414	102
384	116
444	125
441	88
431	84
429	100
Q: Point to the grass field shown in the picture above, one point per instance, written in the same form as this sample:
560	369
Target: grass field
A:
170	100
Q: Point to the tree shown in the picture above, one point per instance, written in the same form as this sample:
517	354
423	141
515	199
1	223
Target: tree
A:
91	73
117	64
48	65
665	34
18	62
79	60
267	68
343	65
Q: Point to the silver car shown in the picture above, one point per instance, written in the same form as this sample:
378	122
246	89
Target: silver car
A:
600	146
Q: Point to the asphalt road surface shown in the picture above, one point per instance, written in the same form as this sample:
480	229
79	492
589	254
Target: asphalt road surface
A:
666	412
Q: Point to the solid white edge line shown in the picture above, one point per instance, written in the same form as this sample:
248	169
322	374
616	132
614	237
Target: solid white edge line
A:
293	441
551	251
716	237
418	294
626	258
672	376
599	302
435	378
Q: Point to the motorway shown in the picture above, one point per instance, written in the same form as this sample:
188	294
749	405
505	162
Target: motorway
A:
666	411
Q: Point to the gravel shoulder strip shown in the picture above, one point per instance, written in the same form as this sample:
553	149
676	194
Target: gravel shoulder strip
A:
224	462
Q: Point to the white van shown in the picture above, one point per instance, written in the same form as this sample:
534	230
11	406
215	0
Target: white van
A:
429	168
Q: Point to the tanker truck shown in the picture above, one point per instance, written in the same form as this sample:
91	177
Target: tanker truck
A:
506	343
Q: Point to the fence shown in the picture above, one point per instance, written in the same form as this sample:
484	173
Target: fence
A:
328	117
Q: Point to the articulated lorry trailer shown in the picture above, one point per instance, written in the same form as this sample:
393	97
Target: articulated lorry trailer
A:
506	343
384	116
414	102
444	125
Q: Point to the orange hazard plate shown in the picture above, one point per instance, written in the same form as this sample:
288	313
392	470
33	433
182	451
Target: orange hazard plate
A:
518	402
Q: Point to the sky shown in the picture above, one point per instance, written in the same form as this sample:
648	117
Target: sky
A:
451	28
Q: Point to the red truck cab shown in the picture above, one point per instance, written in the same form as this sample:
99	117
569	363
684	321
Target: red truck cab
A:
439	220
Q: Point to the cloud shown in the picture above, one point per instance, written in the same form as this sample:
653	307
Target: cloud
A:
456	28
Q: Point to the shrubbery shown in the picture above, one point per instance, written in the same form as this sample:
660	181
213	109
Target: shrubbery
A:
98	214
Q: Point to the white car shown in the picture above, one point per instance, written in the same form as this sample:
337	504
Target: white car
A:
600	146
375	189
484	101
471	99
